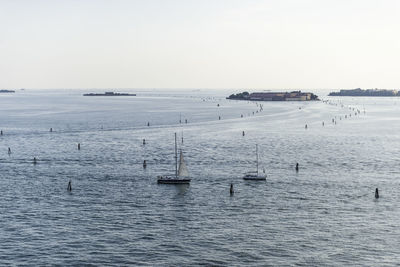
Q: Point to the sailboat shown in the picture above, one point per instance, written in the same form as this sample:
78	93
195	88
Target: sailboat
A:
255	176
181	174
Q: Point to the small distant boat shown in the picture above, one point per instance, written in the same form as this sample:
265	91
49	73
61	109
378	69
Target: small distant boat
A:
255	176
181	174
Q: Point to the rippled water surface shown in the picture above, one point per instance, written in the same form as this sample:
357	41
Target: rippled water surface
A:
116	214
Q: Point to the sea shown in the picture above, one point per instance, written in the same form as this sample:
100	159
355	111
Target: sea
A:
116	214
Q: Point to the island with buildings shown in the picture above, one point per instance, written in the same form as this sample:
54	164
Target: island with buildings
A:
7	91
366	92
109	94
274	96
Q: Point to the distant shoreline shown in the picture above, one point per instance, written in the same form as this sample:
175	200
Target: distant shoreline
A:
109	94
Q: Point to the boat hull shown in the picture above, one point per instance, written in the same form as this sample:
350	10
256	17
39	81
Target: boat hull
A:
173	181
255	178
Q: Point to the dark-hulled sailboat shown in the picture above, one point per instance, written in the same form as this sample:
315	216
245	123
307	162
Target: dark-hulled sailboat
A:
181	174
255	176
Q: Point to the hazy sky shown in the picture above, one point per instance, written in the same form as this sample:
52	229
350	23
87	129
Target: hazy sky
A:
275	44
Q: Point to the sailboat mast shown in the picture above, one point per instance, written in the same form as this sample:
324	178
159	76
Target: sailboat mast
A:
176	159
257	157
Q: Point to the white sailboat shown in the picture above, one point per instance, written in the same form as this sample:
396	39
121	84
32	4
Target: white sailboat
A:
181	174
255	176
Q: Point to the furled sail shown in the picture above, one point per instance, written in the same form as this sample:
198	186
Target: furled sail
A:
183	171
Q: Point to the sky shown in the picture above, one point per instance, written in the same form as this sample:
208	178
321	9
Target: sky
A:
270	44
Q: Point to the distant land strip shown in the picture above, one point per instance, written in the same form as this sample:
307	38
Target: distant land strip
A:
109	94
365	92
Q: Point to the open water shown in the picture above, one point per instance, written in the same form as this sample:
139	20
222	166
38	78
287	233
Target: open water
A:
117	214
